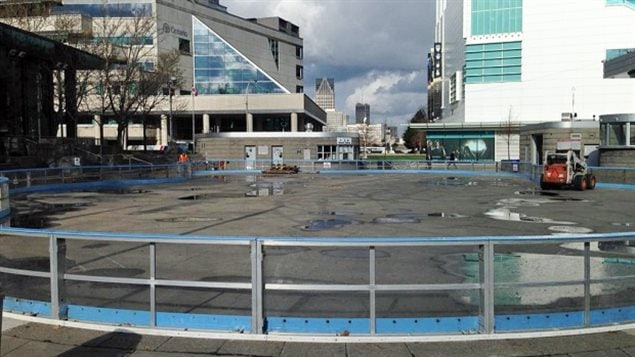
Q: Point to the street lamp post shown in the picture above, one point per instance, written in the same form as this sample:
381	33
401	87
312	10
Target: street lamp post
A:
171	85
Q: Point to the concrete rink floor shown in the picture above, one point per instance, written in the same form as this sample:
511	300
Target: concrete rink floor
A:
380	205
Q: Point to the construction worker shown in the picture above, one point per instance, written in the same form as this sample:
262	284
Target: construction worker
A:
183	158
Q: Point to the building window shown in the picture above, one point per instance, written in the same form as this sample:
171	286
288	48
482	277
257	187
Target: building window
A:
274	45
299	72
299	52
184	46
613	134
493	62
127	40
617	52
299	89
221	69
629	3
327	152
107	10
491	17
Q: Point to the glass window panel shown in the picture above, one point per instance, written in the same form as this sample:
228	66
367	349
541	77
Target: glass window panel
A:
493	54
511	70
492	78
227	71
512	53
493	63
493	47
617	134
512	62
492	71
473	56
511	78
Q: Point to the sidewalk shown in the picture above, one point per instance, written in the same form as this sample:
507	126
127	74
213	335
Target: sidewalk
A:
32	339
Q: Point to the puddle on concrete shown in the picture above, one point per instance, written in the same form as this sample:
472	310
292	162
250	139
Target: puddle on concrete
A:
619	224
336	213
264	189
354	253
206	196
189	219
326	224
505	214
396	220
453	181
446	215
535	192
123	191
569	230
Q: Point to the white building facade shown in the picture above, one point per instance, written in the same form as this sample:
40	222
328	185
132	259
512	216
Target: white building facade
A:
507	63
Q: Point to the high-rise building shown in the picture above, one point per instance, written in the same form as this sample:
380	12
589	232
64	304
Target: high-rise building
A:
325	93
496	64
362	110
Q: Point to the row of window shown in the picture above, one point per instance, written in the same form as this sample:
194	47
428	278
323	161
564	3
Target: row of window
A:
493	62
496	16
615	134
107	9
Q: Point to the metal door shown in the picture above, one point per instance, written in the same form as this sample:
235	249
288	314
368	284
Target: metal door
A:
250	157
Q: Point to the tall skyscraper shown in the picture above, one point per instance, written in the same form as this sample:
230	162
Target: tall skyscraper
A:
325	93
362	111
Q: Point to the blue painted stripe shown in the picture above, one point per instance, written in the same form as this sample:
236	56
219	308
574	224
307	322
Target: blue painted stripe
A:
95	185
204	322
25	306
419	171
615	186
458	324
519	322
108	315
612	315
318	325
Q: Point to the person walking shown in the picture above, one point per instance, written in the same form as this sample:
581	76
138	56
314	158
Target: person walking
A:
452	160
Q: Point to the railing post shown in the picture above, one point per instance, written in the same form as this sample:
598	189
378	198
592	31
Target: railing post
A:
257	295
371	283
153	287
587	284
57	250
486	279
28	179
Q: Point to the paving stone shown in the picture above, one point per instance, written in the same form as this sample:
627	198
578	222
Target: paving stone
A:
251	348
190	345
504	348
441	349
58	335
377	350
313	349
11	343
39	349
130	341
630	351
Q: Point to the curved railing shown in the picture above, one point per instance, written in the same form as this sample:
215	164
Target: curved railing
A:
360	286
334	286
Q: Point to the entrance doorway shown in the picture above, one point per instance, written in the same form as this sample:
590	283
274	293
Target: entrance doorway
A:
276	155
250	157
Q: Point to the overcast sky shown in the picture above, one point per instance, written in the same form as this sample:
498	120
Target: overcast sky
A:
376	50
